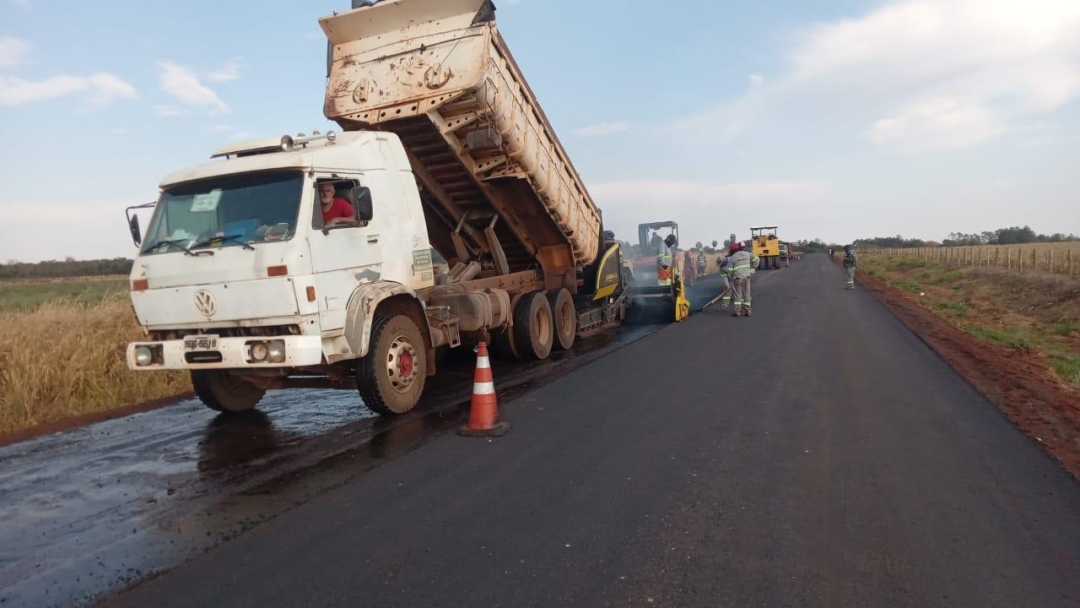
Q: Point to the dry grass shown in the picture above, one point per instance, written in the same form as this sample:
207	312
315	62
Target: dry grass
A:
66	358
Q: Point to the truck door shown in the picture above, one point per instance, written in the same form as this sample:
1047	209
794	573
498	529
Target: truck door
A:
346	254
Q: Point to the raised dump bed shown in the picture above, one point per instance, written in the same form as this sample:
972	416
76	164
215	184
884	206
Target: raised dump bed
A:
496	184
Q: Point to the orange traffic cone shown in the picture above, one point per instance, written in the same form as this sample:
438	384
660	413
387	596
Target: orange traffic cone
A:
484	410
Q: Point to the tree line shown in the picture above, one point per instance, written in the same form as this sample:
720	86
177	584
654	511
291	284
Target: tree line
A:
69	267
1014	235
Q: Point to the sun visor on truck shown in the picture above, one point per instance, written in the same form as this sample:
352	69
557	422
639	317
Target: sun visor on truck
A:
425	16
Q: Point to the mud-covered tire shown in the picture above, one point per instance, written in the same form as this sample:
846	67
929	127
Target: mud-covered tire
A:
220	391
390	378
534	327
565	317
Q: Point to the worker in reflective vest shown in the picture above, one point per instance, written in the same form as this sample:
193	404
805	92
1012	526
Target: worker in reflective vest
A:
663	267
742	264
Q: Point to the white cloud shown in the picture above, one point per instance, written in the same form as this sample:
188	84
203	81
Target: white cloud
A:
99	89
921	74
227	72
942	124
12	51
604	128
169	111
20	3
184	85
240	136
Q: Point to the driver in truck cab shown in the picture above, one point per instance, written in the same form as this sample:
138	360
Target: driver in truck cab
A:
336	211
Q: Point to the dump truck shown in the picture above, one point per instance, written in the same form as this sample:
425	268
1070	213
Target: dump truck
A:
306	260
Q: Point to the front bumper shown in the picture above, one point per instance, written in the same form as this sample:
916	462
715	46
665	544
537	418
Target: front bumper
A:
300	351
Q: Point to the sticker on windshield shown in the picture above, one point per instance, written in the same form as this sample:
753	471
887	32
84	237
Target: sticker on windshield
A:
206	202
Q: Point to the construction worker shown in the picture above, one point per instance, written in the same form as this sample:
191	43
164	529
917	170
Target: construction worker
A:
664	270
850	264
742	264
702	262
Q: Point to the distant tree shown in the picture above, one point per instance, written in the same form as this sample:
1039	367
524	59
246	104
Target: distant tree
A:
714	243
699	246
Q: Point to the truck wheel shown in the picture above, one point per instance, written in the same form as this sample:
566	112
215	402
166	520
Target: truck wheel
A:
391	377
534	328
222	391
562	308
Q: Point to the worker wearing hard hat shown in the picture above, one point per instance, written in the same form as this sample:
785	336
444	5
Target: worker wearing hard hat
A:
741	264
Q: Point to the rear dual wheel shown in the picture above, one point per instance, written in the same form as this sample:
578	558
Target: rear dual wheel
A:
534	326
565	317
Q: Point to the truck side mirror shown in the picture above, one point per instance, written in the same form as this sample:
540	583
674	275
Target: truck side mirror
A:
133	226
133	221
364	207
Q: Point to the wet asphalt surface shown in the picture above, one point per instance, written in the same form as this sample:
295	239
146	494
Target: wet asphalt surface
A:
817	454
91	511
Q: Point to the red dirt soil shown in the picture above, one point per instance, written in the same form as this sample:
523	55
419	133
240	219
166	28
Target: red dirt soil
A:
1029	395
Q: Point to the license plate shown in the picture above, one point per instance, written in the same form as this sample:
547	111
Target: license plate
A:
200	342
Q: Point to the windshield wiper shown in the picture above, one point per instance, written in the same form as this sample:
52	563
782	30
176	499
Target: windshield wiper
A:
235	238
168	243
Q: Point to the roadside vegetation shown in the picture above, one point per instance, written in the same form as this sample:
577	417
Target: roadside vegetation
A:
62	354
1036	315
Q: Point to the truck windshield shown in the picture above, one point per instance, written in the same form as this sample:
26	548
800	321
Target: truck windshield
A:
226	211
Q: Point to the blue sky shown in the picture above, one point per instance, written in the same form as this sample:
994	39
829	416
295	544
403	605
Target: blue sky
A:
832	119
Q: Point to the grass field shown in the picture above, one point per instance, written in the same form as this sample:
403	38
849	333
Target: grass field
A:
1037	315
62	353
29	295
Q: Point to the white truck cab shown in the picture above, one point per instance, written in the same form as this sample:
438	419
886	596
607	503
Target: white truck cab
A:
239	279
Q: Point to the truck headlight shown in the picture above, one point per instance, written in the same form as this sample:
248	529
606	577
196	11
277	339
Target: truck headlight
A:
143	356
258	351
276	351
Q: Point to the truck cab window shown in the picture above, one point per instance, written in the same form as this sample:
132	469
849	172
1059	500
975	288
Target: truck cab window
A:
341	203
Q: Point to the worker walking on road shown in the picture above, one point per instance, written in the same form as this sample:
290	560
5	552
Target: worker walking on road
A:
850	264
742	265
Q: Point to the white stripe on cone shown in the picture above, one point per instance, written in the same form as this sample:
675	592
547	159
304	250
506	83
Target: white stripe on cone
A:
483	388
483	363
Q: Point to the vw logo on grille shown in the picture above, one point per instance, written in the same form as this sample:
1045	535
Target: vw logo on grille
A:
204	303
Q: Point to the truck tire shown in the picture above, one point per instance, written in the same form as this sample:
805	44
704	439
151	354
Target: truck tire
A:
390	378
565	315
534	328
220	391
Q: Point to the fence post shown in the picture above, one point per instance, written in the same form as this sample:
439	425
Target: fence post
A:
1008	260
1021	258
1051	260
1070	263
